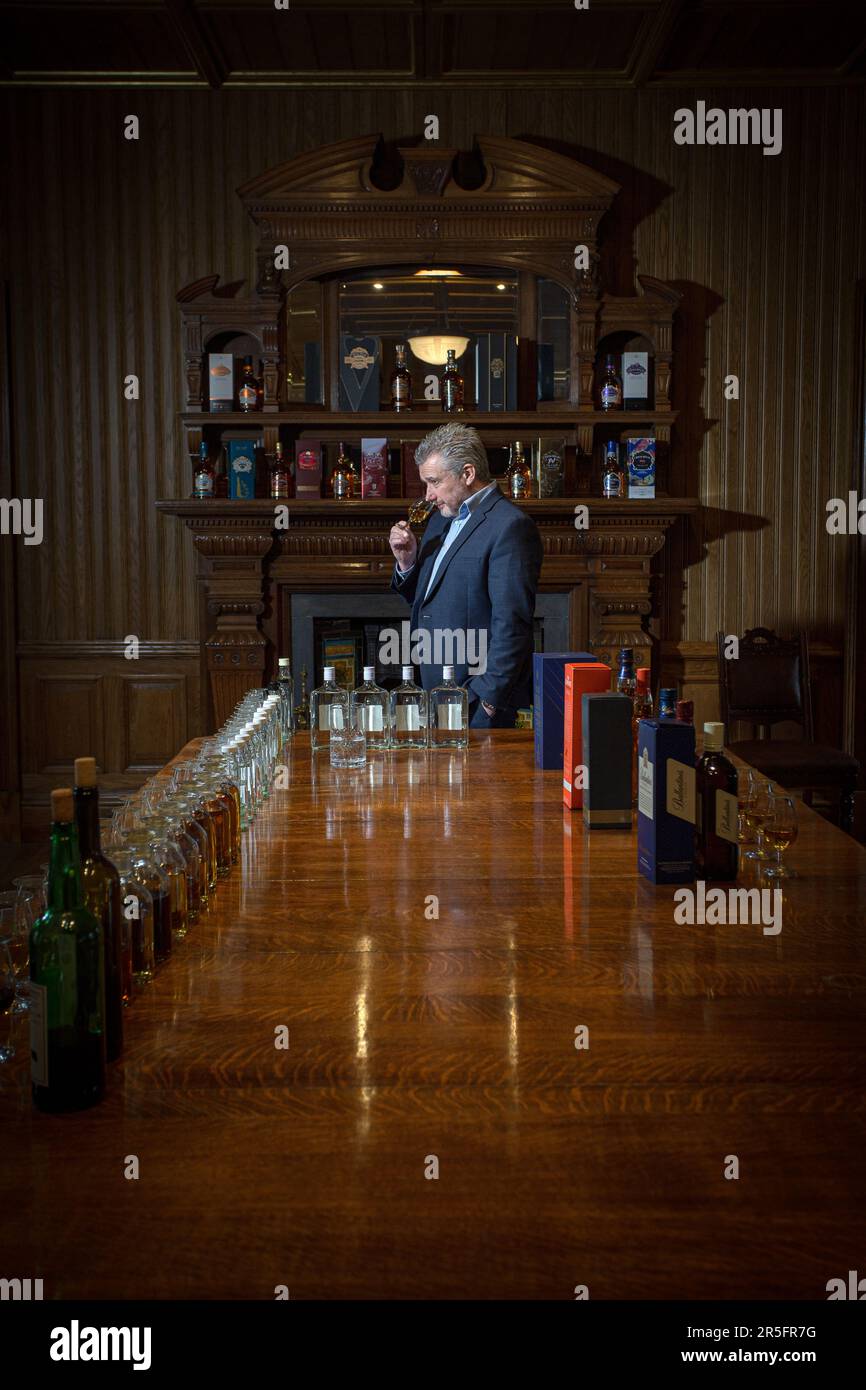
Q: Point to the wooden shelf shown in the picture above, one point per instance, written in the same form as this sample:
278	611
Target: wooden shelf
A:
260	509
421	420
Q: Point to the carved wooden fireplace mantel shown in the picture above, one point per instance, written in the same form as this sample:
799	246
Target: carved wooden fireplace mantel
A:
248	571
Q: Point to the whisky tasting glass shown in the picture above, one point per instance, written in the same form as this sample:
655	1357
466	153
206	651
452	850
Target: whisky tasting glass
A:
16	919
747	790
7	996
780	832
419	511
348	742
756	814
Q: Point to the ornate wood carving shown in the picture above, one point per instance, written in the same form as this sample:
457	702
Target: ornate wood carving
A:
330	546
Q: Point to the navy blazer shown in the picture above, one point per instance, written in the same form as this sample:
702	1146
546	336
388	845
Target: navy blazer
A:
486	582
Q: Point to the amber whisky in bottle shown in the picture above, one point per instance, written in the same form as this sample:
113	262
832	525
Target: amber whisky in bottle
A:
249	391
452	386
279	474
342	478
401	381
518	473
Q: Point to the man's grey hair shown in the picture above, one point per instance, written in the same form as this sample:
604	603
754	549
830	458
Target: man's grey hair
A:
456	445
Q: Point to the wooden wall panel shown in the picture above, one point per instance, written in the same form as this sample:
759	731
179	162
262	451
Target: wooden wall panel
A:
88	700
766	250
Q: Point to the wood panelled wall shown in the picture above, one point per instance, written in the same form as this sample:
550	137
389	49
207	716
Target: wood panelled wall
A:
767	251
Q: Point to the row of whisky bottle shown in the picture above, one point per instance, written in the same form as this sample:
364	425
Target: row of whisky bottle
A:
716	848
451	385
406	717
109	922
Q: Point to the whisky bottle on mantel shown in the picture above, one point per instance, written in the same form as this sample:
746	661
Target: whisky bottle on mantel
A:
249	390
343	477
67	993
100	887
401	381
279	477
518	473
452	386
203	479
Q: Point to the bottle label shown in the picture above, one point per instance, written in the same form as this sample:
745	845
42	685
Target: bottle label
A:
203	485
326	722
370	719
449	715
612	485
247	396
39	1034
401	390
681	790
518	485
726	817
610	396
408	719
645	786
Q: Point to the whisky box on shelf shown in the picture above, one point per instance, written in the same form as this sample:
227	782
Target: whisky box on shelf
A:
374	468
496	371
410	479
640	466
548	703
607	752
635	380
360	360
581	678
242	458
308	468
544	382
550	465
220	381
666	800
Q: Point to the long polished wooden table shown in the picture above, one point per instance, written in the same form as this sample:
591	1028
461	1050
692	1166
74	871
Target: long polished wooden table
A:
432	930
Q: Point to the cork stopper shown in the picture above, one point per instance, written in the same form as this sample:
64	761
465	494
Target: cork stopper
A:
85	772
61	804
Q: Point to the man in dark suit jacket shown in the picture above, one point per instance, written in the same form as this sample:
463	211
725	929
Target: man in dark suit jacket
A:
475	574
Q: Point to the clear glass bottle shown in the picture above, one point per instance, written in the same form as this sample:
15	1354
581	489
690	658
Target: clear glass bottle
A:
169	856
156	880
370	705
285	688
176	828
321	699
408	713
138	907
452	386
449	713
194	828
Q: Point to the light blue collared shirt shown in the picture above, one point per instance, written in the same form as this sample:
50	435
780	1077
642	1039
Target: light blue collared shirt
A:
467	507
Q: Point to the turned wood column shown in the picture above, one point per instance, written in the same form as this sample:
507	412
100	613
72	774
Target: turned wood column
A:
231	568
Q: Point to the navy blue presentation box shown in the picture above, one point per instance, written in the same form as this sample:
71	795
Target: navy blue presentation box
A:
548	703
666	800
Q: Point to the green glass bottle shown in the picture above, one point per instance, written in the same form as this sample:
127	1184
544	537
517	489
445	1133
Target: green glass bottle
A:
67	985
100	887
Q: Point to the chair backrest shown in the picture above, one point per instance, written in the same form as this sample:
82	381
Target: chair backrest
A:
768	682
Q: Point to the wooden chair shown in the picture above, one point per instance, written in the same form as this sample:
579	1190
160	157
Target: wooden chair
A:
768	684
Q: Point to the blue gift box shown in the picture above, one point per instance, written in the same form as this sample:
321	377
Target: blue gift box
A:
548	703
666	800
